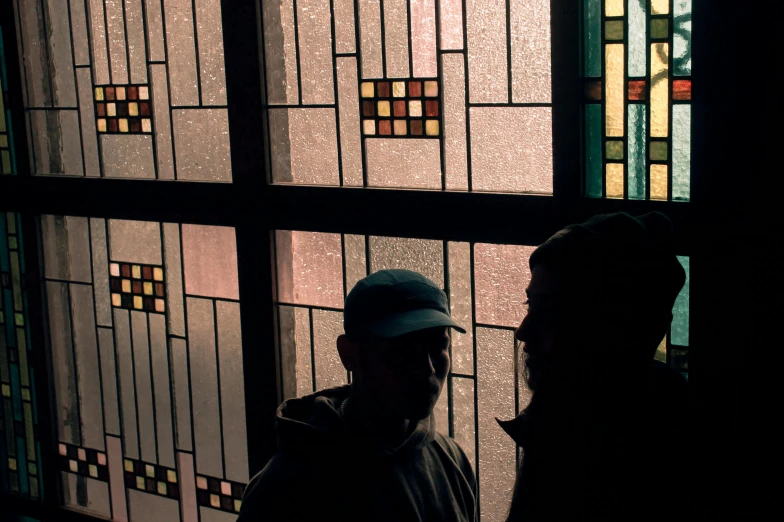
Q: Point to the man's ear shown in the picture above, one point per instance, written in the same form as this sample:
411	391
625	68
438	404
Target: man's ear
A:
348	350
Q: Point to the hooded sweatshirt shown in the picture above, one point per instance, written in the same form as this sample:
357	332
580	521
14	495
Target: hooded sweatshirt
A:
324	471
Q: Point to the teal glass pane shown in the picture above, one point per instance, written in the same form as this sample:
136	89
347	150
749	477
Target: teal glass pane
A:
593	150
24	487
679	332
16	393
593	38
636	144
3	245
681	39
637	28
2	61
681	152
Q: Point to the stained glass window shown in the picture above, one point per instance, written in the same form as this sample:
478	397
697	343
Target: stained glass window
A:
125	89
395	94
144	328
483	282
7	155
637	67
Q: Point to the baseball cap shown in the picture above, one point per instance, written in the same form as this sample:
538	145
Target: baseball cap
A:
395	302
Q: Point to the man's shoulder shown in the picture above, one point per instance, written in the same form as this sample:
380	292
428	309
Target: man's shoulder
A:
455	453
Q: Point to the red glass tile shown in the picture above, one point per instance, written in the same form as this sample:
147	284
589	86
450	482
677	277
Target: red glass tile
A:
637	90
136	125
149	304
400	108
101	109
383	89
368	108
593	90
144	108
116	285
122	109
126	270
159	289
237	491
227	503
431	108
132	93
147	273
112	124
415	89
127	301
137	287
385	127
109	93
416	127
681	90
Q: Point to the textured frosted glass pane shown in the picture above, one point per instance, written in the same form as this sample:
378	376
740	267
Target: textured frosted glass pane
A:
304	146
115	29
396	37
658	181
161	390
162	122
213	515
455	122
232	391
127	156
399	163
141	363
143	507
614	180
593	36
370	38
660	6
637	31
613	7
356	263
210	261
201	138
35	57
593	150
423	38
496	399
81	46
99	42
679	334
210	37
681	44
681	151
182	394
154	15
460	304
122	340
116	478
530	29
511	149
327	326
280	51
181	52
56	145
451	24
614	89
59	60
111	411
659	89
501	275
66	246
136	47
87	368
344	26
86	495
350	148
204	375
463	416
311	272
637	148
420	255
87	116
63	363
135	241
187	480
487	67
296	364
173	267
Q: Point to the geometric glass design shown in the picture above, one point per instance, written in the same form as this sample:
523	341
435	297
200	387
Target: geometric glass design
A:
406	103
123	109
151	478
137	287
83	461
637	70
219	494
7	156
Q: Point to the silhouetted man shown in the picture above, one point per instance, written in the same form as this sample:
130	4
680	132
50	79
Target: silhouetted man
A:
370	451
603	436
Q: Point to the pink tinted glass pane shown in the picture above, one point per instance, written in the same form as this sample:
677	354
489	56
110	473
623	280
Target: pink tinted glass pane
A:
414	163
501	275
423	38
451	24
530	30
310	268
210	261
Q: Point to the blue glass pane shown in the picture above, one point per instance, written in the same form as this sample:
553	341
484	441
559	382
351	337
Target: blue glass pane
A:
679	334
593	38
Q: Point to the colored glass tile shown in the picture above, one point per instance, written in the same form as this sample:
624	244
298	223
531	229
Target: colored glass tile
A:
112	124
159	289
368	108
237	505
431	127
226	504
146	125
136	126
613	30
111	109
614	150
73	466
6	390
144	93
226	488
162	488
383	89
201	482
100	109
171	475
136	287
659	105
149	470
614	180
101	125
137	302
613	7
81	454
99	93
133	93
123	125
637	151
136	272
122	109
144	109
149	304
416	127
120	93
3	140
415	89
431	108
147	288
637	90
133	109
109	91
415	108
659	181
681	90
660	28
369	127
157	274
126	286
93	471
399	89
12	464
128	465
125	270
658	150
102	459
367	90
140	483
215	501
384	127
660	7
431	89
383	109
400	128
614	90
399	108
593	90
62	450
116	300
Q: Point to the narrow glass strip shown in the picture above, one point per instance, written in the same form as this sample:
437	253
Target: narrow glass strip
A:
593	150
679	332
593	38
637	151
660	107
681	152
614	90
114	458
681	40
637	28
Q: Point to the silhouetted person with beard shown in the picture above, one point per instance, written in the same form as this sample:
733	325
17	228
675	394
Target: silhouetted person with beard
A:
604	435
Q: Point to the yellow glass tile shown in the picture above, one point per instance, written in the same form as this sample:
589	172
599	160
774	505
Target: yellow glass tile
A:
114	269
399	89
400	128
415	108
128	466
6	389
159	306
237	505
63	450
157	274
19	319
126	286
383	108
102	459
12	243
137	302
614	180
659	89
140	483
81	454
133	109
149	470
215	501
431	89
116	300
136	271
12	464
171	475
431	127
367	89
659	182
6	159
147	288
614	87
99	93
661	351
101	125
161	488
26	394
73	466
226	488
613	7
111	109
120	93
32	468
123	125
3	140
146	125
144	93
201	482
368	127
93	470
660	6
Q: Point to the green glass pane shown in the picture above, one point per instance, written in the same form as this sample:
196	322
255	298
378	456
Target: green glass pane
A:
681	152
3	141
22	466
658	151
4	266
660	28
679	333
593	38
613	30
614	150
593	150
636	143
16	393
5	156
681	40
637	30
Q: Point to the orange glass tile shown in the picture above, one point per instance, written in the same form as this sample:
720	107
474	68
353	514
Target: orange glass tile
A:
415	89
400	108
681	90
385	127
637	90
431	108
383	89
593	90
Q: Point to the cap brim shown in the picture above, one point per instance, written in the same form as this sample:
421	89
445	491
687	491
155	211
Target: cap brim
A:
411	321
